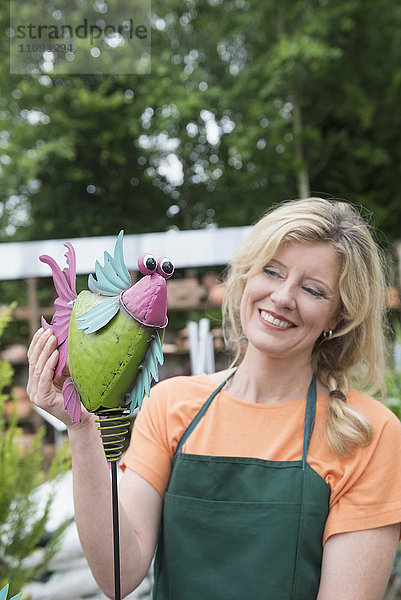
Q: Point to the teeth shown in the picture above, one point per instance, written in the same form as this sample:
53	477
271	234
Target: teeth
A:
270	319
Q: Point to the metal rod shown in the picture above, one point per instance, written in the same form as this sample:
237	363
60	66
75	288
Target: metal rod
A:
113	425
116	532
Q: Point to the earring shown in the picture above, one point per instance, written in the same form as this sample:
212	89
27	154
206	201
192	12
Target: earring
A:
328	333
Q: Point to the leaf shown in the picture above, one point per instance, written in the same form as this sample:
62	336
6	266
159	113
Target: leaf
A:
4	592
5	316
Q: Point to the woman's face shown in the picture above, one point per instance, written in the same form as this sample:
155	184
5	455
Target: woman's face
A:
286	307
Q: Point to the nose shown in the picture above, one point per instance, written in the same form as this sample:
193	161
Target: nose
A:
283	295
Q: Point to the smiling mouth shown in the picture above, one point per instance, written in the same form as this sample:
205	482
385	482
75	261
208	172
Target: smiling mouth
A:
274	321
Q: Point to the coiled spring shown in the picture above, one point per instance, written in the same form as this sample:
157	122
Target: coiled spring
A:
113	426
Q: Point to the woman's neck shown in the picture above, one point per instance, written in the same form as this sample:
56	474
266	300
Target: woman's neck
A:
266	380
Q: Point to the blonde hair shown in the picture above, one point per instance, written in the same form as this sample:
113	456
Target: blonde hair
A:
356	350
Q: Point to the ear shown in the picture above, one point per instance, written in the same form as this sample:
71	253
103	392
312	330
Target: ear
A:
333	324
336	318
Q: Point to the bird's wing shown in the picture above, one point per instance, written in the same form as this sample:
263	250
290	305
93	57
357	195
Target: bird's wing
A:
148	370
98	316
113	278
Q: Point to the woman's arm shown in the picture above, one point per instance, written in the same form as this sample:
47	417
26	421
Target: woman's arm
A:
140	503
357	565
140	507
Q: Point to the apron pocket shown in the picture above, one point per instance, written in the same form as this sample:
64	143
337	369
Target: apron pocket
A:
215	545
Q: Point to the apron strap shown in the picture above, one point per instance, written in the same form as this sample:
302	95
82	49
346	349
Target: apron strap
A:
309	423
198	417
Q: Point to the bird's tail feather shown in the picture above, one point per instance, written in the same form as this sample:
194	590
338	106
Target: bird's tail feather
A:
65	284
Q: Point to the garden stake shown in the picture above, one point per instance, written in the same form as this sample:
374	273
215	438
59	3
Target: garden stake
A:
114	334
113	426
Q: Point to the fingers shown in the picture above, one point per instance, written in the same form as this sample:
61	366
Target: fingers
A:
41	350
42	389
46	346
35	349
45	372
36	338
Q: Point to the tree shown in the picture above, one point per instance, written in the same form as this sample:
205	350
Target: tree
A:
83	172
314	102
247	104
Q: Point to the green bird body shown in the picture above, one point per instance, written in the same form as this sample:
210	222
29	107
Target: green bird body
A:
112	334
104	365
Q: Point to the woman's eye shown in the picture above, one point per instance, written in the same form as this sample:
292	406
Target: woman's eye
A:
271	272
313	292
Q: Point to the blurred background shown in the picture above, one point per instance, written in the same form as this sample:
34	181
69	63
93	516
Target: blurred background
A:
247	104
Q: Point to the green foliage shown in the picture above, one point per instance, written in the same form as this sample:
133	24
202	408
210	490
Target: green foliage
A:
393	400
297	91
393	377
12	294
22	526
4	319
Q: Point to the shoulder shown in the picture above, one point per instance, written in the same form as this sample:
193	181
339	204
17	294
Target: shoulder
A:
172	405
365	484
386	427
220	376
191	384
180	395
375	410
183	384
179	398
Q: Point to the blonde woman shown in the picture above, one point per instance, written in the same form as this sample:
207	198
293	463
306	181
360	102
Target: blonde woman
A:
276	478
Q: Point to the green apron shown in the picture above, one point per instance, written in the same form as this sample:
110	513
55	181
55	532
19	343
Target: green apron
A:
239	528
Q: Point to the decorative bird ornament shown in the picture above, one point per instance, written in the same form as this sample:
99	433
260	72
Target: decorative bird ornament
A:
112	334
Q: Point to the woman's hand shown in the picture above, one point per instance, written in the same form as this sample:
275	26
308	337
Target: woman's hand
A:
43	390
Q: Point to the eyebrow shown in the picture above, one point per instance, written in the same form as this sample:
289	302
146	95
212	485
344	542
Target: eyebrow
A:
319	281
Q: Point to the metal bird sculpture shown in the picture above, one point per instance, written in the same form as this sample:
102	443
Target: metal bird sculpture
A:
111	334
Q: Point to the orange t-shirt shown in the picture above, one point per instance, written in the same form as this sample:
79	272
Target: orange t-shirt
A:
365	486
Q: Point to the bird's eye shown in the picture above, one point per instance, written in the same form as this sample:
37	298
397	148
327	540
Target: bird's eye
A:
165	267
147	263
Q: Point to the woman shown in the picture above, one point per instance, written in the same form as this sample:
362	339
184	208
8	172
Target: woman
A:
275	479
